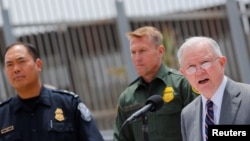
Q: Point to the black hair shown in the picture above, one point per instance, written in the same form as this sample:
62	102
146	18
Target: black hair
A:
31	49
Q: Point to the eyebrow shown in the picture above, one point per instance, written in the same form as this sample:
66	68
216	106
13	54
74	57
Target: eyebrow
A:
201	62
19	58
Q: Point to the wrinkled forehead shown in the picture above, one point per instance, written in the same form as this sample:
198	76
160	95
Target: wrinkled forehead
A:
195	53
196	48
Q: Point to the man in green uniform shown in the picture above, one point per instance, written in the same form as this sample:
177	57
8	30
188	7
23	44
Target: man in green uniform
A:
155	78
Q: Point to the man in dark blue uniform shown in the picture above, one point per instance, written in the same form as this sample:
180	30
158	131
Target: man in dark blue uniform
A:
38	113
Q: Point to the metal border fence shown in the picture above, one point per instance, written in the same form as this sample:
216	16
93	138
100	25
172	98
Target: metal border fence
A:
92	59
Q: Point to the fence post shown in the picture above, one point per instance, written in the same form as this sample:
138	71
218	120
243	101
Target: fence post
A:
239	41
123	27
7	29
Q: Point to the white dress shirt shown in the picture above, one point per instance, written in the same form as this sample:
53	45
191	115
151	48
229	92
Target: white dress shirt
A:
217	100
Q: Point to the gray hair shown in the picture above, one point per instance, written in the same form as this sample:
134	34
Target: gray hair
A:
197	39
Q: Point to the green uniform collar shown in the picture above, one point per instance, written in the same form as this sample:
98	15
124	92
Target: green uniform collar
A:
162	73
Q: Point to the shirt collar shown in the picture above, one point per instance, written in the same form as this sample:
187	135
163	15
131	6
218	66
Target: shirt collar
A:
217	97
43	99
160	75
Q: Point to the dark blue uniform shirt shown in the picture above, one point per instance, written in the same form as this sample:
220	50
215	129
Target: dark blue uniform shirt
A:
53	116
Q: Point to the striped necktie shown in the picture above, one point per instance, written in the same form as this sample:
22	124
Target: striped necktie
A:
209	119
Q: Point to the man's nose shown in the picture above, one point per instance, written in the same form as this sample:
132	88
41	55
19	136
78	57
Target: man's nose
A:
16	68
199	69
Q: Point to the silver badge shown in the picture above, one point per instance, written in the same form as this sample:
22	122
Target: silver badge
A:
85	113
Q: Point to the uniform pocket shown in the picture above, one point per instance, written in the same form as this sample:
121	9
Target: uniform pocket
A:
168	121
60	127
170	108
61	131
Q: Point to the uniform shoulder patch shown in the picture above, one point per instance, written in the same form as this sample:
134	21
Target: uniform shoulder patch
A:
65	92
85	113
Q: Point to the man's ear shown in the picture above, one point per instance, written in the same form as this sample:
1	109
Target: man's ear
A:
223	60
39	64
161	49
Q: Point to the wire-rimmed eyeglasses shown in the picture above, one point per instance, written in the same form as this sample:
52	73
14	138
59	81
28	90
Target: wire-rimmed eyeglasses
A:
205	65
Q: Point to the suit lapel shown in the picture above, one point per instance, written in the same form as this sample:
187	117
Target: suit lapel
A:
230	103
197	121
199	126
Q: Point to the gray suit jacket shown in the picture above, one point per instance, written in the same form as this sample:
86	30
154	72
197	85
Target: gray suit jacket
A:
235	109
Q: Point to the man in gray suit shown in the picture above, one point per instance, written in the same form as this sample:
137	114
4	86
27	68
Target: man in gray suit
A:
203	64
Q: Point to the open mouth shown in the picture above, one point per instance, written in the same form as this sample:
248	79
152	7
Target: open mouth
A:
203	81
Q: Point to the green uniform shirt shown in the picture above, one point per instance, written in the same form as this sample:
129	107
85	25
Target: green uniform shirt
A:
164	124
